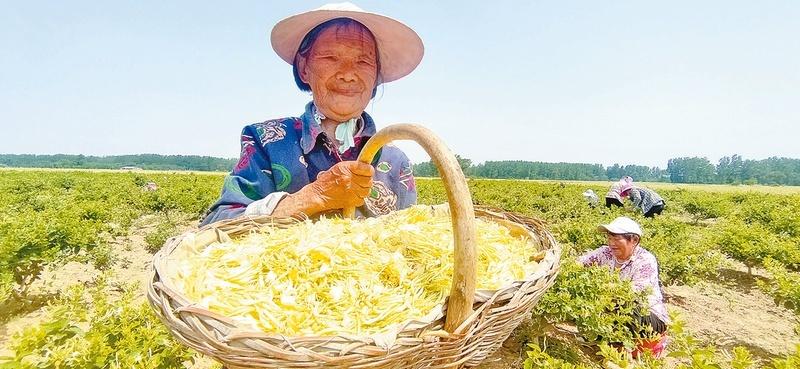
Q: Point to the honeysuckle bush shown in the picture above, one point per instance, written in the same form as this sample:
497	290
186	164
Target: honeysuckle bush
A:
594	300
699	205
91	328
49	217
676	246
782	285
684	351
752	243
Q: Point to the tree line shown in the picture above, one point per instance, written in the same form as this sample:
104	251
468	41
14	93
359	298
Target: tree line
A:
729	170
142	161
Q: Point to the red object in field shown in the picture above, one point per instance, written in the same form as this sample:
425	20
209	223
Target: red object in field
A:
656	346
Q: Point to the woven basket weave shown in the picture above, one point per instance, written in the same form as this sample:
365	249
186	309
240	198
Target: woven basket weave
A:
463	337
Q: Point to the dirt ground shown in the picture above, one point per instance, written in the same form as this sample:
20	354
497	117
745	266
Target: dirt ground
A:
726	313
734	312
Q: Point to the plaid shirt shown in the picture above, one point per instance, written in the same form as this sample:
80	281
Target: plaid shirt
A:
287	154
641	269
644	198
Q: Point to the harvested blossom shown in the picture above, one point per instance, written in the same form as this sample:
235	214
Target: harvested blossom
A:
340	276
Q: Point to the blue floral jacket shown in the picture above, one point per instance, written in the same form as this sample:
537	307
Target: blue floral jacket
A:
287	154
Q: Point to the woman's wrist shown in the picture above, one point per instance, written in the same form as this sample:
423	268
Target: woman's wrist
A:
298	202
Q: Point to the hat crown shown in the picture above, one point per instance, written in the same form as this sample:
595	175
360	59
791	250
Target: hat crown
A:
345	6
623	225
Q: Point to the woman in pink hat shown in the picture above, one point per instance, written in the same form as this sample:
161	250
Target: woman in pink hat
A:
614	195
306	164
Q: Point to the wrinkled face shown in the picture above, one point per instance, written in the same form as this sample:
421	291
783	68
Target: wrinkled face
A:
341	69
620	246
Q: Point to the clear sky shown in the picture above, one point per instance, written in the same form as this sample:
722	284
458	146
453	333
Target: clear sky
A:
606	82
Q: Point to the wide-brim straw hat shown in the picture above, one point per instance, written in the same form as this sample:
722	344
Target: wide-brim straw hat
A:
400	49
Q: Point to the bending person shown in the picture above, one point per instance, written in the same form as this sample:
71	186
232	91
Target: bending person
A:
614	194
645	199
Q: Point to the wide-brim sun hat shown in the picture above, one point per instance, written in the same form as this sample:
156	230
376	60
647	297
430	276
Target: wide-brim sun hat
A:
400	49
621	225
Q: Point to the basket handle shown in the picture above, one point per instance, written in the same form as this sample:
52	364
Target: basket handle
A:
462	291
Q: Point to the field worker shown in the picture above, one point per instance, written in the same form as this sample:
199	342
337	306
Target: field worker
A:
645	199
624	255
306	164
614	195
591	198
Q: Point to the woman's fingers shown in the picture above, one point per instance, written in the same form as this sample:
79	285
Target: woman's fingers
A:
346	184
358	168
354	175
359	181
361	192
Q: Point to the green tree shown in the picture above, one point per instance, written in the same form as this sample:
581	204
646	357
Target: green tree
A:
691	170
730	169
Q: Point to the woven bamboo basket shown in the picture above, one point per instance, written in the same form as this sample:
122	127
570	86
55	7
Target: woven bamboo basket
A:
473	324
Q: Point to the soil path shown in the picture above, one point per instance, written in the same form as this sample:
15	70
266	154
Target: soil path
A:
734	312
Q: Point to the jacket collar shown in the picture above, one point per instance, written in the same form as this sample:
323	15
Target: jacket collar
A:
312	128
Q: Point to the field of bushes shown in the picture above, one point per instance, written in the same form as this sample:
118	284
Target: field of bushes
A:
51	218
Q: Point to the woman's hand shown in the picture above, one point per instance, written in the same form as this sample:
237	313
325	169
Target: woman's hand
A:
346	184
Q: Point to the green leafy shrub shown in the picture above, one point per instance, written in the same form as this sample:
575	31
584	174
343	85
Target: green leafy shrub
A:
158	237
752	243
701	205
780	214
539	358
47	217
101	333
594	299
683	352
783	285
676	247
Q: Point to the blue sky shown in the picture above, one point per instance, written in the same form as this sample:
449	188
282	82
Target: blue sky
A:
626	82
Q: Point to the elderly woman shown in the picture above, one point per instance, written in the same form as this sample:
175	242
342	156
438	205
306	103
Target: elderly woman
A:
306	164
614	195
625	256
645	199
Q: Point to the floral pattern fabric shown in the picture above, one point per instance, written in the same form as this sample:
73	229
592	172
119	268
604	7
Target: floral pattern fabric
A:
287	154
641	269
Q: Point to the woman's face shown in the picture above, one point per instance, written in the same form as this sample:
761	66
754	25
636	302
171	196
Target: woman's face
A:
341	69
621	247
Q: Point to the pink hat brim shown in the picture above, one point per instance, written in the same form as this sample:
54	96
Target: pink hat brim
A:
400	48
